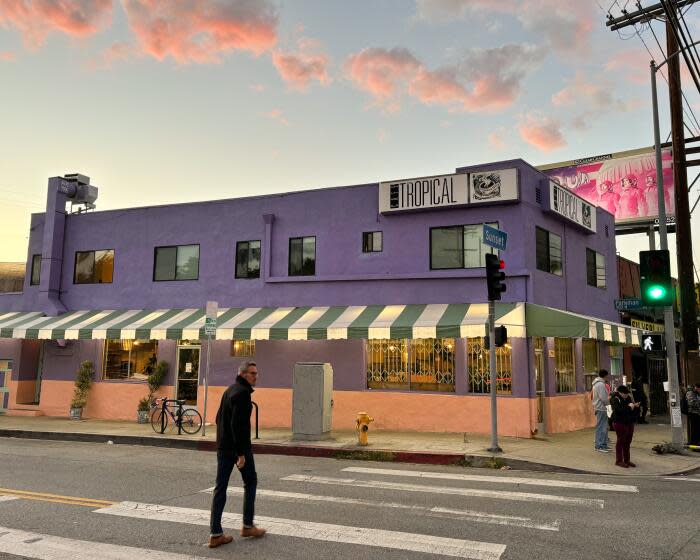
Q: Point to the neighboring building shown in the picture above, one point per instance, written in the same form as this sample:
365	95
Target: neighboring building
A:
11	277
384	281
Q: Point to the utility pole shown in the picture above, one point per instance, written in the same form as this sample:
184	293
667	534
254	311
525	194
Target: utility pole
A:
684	248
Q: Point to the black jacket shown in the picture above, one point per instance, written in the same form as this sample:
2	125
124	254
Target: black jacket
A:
233	418
622	413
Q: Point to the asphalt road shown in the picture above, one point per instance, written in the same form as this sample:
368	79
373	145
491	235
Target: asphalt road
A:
84	500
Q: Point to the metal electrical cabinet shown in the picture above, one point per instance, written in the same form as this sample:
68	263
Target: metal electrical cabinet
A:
312	400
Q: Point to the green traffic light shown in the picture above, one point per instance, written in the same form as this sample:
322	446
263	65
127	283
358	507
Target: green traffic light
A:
656	292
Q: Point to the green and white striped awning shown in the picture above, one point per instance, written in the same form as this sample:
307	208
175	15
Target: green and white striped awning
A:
316	323
270	323
545	321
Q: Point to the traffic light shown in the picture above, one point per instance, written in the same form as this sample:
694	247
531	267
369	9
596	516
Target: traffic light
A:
495	276
501	336
655	278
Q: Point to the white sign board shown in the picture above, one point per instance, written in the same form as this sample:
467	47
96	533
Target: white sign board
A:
212	312
425	193
493	186
571	207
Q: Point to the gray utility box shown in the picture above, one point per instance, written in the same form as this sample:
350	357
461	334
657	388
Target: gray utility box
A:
312	400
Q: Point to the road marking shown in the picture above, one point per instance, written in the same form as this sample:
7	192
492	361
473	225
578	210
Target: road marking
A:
49	547
681	478
55	498
499	479
7	498
517	496
318	531
476	516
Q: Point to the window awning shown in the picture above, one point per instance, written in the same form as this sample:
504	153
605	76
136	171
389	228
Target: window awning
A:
546	321
316	323
270	323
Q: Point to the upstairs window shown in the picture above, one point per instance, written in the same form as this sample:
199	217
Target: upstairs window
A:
179	262
548	252
595	269
458	247
35	277
372	242
248	259
302	256
94	267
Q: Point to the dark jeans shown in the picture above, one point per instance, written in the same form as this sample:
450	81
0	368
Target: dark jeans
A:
694	429
225	461
624	439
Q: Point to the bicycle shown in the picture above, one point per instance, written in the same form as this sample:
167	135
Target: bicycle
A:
187	420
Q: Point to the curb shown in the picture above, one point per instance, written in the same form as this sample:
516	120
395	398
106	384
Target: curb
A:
349	453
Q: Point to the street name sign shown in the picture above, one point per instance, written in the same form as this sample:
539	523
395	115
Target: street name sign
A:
494	238
628	303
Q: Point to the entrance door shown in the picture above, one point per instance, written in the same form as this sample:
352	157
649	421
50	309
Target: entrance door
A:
658	402
539	382
39	374
5	374
187	373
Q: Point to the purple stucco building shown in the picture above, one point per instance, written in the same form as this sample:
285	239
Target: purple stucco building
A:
384	281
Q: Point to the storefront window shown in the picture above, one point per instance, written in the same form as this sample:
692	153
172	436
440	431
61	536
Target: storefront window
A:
590	362
565	371
425	364
242	348
479	371
616	361
129	359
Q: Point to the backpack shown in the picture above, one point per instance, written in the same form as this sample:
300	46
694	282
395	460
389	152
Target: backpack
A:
684	404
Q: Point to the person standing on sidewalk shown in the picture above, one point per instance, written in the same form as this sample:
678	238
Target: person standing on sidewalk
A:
624	416
693	397
233	447
601	399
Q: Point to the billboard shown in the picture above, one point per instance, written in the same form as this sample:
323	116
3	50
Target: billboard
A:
622	183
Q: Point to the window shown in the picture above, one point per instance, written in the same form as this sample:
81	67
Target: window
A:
372	242
242	348
421	364
129	359
248	259
478	367
458	247
176	263
590	362
616	361
302	256
595	269
94	267
548	252
565	369
35	278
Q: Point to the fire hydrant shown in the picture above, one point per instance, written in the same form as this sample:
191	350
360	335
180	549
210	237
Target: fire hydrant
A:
362	427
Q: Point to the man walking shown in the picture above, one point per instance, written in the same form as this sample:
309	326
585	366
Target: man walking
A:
234	448
601	399
693	396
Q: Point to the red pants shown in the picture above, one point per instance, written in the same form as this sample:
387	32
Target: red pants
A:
624	439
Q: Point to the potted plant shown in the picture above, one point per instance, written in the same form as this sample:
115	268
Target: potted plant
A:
156	375
83	381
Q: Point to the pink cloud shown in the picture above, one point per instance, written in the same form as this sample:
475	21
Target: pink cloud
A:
496	139
7	56
202	31
117	52
299	68
540	131
487	79
258	88
277	115
631	64
36	19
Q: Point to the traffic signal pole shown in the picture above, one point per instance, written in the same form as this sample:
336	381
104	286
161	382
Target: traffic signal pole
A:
494	382
669	327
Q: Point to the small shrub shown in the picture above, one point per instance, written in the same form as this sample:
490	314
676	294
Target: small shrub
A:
83	381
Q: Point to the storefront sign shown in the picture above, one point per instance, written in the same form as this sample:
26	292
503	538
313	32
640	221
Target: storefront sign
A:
424	193
494	186
565	203
654	327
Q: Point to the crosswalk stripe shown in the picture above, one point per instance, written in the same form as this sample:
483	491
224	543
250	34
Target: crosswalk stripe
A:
318	531
476	516
49	547
498	479
7	498
500	495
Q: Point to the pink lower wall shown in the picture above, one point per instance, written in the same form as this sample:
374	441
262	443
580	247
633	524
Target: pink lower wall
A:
569	413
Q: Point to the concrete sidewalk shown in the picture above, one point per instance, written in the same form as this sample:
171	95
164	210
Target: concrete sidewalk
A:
570	452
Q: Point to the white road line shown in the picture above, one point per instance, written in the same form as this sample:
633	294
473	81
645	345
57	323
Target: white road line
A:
318	531
49	547
476	516
5	498
681	478
517	496
498	479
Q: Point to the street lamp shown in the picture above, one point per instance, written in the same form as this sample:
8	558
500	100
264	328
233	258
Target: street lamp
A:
669	327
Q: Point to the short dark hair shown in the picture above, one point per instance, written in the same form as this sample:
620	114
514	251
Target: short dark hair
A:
623	389
603	373
697	385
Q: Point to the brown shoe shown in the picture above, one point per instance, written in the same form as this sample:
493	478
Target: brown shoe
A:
631	464
218	541
623	465
255	532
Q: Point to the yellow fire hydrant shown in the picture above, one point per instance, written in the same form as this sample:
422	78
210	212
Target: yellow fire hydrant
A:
362	428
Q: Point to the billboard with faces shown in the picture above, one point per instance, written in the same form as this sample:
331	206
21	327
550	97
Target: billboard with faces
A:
623	183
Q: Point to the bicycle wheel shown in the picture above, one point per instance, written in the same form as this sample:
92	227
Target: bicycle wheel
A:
156	419
191	421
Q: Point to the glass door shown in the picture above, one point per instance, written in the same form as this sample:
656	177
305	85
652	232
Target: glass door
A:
187	373
539	382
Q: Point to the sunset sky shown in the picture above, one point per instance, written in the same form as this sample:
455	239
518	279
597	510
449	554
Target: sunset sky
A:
182	100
